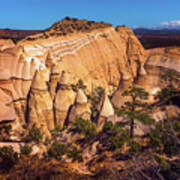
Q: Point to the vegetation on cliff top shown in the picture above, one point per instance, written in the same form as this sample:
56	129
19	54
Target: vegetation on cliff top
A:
70	25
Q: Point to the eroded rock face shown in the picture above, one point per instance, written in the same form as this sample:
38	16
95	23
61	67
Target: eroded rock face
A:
64	99
32	87
106	110
159	61
80	108
40	105
6	44
135	53
135	58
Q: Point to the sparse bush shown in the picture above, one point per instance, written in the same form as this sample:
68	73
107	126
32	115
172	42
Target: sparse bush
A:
56	132
119	112
35	134
26	150
116	142
75	154
116	128
118	136
108	126
14	40
8	158
57	150
86	127
99	91
6	128
156	138
135	147
176	125
164	165
78	85
164	139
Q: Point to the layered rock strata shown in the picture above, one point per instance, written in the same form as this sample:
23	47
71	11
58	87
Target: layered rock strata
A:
30	76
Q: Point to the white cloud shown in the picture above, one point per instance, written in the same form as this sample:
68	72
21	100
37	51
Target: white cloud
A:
173	23
164	24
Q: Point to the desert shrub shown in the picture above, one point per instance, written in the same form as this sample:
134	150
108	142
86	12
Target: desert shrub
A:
108	126
56	132
156	138
164	138
8	157
78	85
75	154
26	150
118	138
135	147
85	127
145	119
166	95
35	134
57	150
99	91
164	165
116	128
47	141
119	112
6	128
14	40
117	135
176	125
116	142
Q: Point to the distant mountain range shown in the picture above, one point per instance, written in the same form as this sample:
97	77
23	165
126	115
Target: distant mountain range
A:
157	31
150	38
16	34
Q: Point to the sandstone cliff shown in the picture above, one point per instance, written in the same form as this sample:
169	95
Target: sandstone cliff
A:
95	53
160	60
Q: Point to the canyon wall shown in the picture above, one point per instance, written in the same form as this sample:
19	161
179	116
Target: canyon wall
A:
33	87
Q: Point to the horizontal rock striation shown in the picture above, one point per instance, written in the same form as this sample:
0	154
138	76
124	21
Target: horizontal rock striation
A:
159	61
31	81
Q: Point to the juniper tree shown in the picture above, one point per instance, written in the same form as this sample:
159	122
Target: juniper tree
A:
136	108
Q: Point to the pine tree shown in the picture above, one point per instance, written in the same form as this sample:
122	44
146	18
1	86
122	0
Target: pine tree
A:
136	108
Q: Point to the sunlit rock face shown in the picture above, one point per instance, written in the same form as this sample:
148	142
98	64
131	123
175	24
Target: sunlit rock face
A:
80	108
136	57
30	71
159	61
6	44
64	99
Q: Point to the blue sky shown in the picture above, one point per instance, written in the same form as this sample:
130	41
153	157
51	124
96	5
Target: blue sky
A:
40	14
